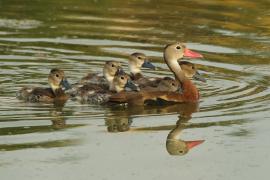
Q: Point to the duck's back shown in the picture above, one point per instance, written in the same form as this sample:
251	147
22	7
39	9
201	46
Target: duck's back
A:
37	94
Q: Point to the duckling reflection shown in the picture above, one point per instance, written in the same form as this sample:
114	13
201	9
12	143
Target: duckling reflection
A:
121	124
58	118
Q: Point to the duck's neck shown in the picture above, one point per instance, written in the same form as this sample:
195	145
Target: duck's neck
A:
134	69
176	69
109	79
190	92
118	89
57	91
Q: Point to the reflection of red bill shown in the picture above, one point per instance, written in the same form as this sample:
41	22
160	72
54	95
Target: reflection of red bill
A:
191	144
191	54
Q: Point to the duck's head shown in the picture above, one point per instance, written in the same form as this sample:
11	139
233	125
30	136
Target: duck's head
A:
175	51
180	147
57	80
168	84
110	69
122	82
191	71
137	61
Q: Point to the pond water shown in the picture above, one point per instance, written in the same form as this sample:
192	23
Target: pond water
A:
81	141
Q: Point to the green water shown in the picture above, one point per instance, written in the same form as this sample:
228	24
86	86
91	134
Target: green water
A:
80	141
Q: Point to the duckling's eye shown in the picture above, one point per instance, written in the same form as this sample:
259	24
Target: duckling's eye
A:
178	47
139	57
173	84
113	65
56	75
193	67
122	77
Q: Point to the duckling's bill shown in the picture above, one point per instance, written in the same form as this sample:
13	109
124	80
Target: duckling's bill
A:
131	86
148	64
65	84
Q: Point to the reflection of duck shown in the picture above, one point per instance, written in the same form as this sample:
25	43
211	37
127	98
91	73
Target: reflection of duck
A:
58	119
120	123
176	146
120	120
172	53
55	93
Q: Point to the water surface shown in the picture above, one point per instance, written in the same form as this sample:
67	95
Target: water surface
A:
80	141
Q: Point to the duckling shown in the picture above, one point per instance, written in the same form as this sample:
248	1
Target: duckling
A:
136	62
121	82
191	71
93	83
109	70
58	85
164	84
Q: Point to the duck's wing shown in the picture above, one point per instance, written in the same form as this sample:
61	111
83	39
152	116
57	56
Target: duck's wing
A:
36	94
148	82
94	78
139	98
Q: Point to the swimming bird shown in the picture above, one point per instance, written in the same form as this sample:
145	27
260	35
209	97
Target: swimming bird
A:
121	82
58	85
190	93
136	62
105	81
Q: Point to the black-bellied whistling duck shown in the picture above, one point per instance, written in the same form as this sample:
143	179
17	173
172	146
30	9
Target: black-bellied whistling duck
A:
190	93
58	85
93	82
109	70
97	95
135	62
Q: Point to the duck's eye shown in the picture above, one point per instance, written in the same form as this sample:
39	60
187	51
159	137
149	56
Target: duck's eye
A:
139	57
56	75
173	84
181	152
178	47
113	65
122	77
193	67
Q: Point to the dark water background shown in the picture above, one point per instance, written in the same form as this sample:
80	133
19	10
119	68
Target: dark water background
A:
41	141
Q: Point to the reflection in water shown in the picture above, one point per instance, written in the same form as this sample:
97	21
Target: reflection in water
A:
177	146
118	121
57	118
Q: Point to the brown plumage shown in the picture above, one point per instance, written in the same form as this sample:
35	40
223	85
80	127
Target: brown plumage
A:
56	92
172	53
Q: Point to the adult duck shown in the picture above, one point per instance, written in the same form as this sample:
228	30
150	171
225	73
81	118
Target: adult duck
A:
190	93
56	92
